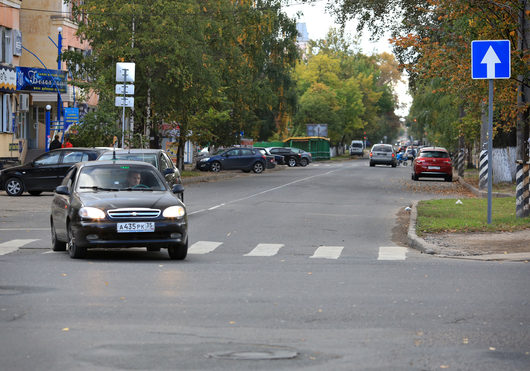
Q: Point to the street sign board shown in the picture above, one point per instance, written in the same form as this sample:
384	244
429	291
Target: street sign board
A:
124	102
121	68
129	89
490	59
71	116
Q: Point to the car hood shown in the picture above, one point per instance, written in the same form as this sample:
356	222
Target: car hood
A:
128	199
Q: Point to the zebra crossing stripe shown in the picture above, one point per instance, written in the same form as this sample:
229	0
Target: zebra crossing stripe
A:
203	247
13	245
265	249
392	253
327	252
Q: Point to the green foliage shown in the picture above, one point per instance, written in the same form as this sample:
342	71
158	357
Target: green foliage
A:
98	128
346	90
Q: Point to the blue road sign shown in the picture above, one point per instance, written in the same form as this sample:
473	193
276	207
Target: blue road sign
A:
490	59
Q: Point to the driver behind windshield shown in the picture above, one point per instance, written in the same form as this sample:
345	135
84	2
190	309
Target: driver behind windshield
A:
133	178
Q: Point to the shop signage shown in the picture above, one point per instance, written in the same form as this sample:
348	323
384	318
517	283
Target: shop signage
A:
41	80
8	79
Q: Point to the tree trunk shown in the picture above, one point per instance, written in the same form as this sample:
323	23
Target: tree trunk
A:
522	192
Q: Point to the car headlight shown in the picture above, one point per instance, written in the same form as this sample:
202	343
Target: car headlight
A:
205	159
91	213
174	212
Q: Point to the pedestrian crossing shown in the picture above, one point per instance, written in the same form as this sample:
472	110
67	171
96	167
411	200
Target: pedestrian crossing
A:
395	253
321	252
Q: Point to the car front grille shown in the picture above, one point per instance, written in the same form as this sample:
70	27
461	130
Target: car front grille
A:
131	213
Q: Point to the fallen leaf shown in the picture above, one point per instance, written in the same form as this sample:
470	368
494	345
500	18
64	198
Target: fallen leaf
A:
232	322
122	298
444	366
106	283
320	311
493	348
64	275
66	329
309	273
417	343
312	358
465	341
160	265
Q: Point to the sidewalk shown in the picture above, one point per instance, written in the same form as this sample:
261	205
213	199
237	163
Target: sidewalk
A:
502	246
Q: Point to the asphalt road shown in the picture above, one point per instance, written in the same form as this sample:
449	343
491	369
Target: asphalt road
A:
291	269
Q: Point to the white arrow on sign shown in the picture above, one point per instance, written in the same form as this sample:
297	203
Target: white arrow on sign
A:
490	59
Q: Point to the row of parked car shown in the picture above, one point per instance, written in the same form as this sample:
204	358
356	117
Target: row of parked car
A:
47	171
255	159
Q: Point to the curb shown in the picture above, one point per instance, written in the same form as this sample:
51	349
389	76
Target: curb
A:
482	194
425	247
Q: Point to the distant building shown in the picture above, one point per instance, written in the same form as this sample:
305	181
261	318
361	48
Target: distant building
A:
303	39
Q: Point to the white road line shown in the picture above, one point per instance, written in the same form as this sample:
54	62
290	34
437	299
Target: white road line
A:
328	252
265	249
13	245
216	206
203	247
392	253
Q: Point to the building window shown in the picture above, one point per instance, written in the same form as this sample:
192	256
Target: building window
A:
6	113
6	52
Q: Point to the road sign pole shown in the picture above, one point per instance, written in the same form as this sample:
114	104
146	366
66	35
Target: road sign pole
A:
490	146
123	109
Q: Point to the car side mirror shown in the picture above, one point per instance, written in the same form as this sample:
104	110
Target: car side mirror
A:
177	189
62	190
169	171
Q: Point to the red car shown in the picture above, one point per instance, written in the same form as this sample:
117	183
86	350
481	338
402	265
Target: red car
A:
433	162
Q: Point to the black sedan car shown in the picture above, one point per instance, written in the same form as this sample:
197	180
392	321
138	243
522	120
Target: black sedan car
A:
156	157
238	158
290	157
118	204
44	173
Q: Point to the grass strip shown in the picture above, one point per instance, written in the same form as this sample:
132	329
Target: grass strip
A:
445	215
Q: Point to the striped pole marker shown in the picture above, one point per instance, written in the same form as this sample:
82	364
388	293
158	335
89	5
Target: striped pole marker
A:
522	190
460	163
483	170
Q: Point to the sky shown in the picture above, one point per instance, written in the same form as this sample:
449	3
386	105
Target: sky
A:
318	23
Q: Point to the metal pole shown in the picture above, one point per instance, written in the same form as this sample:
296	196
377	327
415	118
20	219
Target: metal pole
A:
123	112
48	124
490	146
59	101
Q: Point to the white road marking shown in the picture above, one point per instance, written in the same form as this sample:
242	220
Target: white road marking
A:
328	252
203	247
265	249
215	207
13	245
392	253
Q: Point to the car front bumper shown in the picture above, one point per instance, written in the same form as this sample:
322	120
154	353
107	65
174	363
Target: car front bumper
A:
104	234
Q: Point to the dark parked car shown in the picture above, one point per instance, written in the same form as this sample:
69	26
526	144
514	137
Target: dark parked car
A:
44	173
383	154
306	158
117	204
433	162
156	157
290	157
239	158
271	159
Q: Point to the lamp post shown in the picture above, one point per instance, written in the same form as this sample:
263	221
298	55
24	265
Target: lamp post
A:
48	124
59	52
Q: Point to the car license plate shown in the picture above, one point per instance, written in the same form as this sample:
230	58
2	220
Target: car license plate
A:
434	167
136	227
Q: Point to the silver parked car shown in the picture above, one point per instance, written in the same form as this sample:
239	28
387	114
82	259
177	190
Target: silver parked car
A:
383	154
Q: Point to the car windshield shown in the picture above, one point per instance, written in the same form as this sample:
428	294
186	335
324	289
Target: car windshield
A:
357	145
434	154
383	148
150	158
119	178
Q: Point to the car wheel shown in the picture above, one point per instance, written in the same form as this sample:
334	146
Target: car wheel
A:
414	176
372	164
215	166
303	162
14	187
76	251
449	178
178	252
35	193
394	164
56	244
291	162
257	168
155	249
